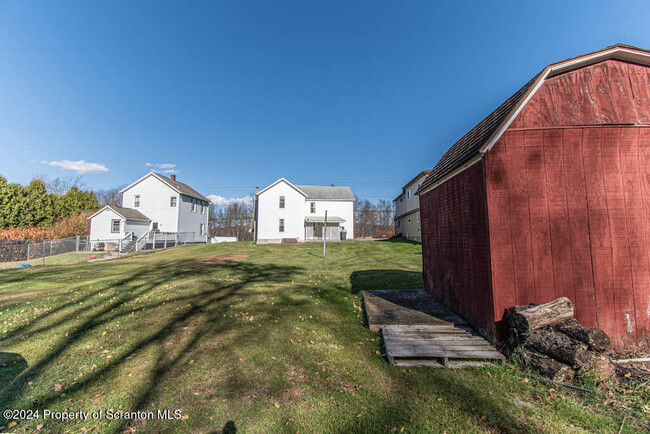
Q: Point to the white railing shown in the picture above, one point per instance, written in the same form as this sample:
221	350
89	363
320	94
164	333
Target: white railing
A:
164	240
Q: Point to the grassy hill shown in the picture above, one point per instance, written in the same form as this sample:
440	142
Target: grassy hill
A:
258	338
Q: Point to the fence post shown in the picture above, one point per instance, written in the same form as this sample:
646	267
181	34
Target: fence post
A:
153	245
76	246
27	251
165	241
51	247
119	248
43	253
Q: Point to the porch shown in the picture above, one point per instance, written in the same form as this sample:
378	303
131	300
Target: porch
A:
315	228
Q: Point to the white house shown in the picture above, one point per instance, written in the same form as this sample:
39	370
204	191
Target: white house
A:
407	209
153	204
284	210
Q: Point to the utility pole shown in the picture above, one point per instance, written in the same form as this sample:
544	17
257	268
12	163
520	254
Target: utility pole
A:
325	235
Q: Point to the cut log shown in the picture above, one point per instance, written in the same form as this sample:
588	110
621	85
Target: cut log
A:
533	317
595	338
561	347
543	365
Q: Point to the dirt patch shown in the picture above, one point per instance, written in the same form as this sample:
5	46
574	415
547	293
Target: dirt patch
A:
222	259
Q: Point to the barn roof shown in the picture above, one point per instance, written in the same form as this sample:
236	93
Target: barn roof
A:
486	133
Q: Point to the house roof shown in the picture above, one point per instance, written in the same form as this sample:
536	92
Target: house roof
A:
480	138
125	213
177	186
330	219
318	192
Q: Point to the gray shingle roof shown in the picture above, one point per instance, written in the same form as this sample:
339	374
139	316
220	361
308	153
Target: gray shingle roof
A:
183	188
317	192
130	213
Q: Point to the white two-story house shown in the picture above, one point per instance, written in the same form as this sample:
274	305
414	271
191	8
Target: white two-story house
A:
289	211
407	209
153	204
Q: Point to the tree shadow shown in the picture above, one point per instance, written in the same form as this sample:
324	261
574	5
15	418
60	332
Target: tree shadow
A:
83	317
11	365
384	279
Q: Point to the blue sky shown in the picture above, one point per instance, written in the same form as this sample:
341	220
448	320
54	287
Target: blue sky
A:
235	94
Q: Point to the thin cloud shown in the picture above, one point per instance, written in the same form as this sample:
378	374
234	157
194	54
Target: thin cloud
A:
81	167
220	200
170	171
161	166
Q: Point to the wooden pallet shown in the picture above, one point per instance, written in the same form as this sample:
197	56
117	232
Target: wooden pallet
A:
437	346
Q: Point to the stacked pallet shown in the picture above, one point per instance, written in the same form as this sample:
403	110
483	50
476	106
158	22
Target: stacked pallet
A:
546	339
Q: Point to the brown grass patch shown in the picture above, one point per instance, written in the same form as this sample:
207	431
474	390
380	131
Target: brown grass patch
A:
222	259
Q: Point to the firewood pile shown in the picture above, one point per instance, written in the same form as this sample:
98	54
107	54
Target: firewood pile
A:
546	339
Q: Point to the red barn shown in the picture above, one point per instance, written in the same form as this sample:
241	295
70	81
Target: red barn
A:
549	196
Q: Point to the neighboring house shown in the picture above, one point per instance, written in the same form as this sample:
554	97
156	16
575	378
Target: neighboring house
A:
549	196
284	210
153	204
407	209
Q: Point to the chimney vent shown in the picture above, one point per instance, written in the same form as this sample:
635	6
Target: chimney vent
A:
172	177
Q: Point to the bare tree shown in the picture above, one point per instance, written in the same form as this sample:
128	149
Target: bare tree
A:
60	185
232	220
370	218
109	196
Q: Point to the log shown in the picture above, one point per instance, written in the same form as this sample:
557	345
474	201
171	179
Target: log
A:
561	347
533	317
543	365
595	338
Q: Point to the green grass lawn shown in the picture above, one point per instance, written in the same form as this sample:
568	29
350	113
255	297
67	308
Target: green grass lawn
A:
257	338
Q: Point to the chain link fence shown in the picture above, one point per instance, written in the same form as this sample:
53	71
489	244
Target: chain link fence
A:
31	250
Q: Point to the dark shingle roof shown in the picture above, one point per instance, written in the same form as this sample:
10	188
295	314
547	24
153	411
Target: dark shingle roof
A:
326	193
469	145
130	213
183	188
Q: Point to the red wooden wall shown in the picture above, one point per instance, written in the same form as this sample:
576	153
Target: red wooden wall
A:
568	190
455	246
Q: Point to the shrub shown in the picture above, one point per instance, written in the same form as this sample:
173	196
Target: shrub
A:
67	227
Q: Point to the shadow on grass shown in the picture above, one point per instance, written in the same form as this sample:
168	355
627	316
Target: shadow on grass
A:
11	365
202	307
384	279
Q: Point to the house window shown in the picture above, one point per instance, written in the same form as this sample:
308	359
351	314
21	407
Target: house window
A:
193	205
172	201
202	229
136	201
408	194
281	201
409	219
154	226
115	226
312	208
281	228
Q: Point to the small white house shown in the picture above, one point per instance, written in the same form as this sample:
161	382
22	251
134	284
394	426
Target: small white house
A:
153	204
284	210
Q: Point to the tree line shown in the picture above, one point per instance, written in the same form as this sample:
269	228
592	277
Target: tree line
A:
33	206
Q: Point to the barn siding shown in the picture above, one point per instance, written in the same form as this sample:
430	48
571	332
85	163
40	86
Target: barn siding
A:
456	248
586	200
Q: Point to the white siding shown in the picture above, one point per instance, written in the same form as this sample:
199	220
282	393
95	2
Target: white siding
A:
189	221
335	208
270	213
100	226
138	227
154	202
